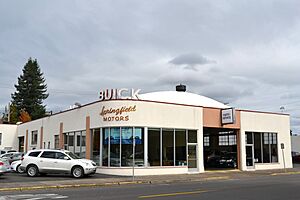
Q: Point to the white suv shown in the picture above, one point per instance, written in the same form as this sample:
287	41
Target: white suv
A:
44	161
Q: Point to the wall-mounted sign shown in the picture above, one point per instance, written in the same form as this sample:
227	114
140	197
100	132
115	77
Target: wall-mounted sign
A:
117	114
228	116
122	93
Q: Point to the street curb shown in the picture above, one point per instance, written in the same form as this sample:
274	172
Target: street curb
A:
110	184
284	173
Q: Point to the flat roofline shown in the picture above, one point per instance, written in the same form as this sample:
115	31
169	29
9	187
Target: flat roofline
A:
264	112
150	101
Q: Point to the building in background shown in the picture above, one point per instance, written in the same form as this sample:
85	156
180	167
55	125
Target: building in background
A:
168	132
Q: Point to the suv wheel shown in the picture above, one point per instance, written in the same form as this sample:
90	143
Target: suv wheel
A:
32	171
77	172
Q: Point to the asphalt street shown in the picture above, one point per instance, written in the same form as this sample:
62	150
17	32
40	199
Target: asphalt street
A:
257	187
16	177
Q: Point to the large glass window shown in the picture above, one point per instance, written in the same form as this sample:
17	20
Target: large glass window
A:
115	147
96	145
154	147
257	148
139	147
168	147
56	141
192	136
265	147
249	138
74	142
34	137
180	147
105	142
127	147
274	153
79	149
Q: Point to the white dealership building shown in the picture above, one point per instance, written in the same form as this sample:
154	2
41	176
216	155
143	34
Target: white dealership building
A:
167	132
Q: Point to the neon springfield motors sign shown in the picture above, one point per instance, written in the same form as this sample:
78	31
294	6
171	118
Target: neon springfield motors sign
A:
117	114
122	93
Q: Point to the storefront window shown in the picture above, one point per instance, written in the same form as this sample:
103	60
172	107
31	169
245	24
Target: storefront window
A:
71	142
105	142
115	147
265	147
180	147
127	147
96	145
192	136
34	137
249	138
168	147
56	141
139	147
74	142
274	154
257	148
154	147
80	143
118	142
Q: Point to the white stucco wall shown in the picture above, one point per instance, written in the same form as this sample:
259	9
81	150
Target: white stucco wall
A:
9	136
144	114
267	122
147	114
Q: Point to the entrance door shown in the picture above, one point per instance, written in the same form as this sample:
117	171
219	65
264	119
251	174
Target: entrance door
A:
249	156
192	157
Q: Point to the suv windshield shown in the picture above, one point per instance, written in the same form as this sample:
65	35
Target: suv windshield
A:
72	155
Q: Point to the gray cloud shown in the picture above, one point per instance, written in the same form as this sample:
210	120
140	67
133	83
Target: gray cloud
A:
83	46
191	61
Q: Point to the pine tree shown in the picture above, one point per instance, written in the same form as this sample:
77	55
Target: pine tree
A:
31	90
13	114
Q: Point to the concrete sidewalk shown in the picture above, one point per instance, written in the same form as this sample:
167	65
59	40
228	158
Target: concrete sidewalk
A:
116	180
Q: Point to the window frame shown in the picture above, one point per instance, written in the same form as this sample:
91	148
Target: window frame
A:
266	138
34	137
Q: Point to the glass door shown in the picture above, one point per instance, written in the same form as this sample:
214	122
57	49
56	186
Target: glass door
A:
249	156
192	157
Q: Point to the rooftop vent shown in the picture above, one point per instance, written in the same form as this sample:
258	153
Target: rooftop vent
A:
180	88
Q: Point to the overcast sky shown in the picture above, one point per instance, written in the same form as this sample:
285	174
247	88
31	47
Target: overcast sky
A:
245	53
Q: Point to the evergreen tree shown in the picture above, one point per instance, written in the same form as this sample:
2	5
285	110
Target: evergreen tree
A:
13	114
31	90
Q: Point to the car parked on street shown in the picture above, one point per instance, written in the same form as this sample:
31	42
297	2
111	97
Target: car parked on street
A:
45	161
3	151
16	166
12	156
4	166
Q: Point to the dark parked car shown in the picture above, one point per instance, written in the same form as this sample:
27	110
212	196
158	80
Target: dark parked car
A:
296	157
224	160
